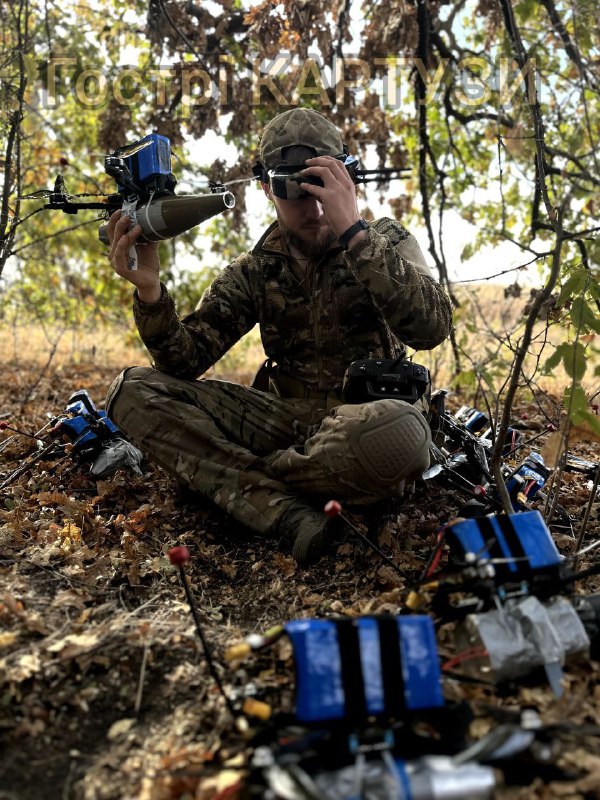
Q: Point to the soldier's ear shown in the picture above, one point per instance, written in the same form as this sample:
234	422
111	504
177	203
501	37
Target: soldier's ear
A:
266	187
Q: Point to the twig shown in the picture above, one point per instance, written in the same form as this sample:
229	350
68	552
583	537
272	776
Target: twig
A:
12	153
555	215
503	272
24	467
45	369
558	477
140	687
53	235
586	516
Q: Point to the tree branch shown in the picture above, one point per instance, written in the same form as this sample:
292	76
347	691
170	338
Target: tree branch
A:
555	216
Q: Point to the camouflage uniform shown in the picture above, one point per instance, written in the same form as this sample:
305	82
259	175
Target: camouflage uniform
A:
253	451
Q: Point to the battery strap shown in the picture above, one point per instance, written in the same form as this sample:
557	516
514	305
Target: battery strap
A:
352	672
510	534
391	665
514	542
492	545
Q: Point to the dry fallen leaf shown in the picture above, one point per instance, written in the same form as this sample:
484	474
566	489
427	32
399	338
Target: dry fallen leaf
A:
552	450
8	638
22	668
285	564
119	728
74	644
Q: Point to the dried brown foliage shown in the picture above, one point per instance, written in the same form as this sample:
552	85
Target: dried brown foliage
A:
105	690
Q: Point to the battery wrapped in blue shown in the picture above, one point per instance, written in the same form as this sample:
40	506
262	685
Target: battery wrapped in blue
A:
518	544
148	158
527	479
87	432
349	669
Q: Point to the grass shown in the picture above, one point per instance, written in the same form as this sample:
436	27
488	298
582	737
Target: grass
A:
488	327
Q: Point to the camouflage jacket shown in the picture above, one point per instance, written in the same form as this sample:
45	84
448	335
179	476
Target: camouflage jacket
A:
359	303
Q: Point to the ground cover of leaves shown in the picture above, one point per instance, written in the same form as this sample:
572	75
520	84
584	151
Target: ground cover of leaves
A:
104	691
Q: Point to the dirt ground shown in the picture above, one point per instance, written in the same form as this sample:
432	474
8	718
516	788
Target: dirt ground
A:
105	692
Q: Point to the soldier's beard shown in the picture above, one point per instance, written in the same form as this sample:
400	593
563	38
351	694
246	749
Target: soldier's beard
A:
319	242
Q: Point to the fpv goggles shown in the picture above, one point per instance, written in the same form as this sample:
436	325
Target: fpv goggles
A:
285	180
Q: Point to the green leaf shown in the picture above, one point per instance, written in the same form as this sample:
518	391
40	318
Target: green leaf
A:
467	252
588	418
574	360
574	285
554	360
30	65
575	398
467	378
595	287
583	317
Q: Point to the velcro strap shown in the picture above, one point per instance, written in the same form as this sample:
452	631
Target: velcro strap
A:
352	672
492	545
391	666
514	542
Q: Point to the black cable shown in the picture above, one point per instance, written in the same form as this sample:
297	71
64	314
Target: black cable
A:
579	576
207	653
390	562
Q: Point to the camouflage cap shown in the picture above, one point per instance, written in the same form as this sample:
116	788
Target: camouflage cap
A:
299	127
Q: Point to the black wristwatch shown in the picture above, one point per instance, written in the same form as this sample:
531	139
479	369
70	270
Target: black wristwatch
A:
361	225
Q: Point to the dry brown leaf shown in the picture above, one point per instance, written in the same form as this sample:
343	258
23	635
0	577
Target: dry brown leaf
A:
285	564
69	598
11	604
22	668
119	728
552	450
311	600
52	498
8	638
74	644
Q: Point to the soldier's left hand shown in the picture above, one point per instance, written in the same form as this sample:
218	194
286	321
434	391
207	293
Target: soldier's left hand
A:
338	193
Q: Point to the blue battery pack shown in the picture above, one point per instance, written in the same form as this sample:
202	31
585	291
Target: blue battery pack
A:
107	422
528	478
148	158
86	432
518	544
350	669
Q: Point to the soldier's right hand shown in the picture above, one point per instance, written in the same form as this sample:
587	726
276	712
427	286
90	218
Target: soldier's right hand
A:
146	277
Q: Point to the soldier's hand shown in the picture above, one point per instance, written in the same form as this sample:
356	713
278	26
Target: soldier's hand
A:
146	277
337	195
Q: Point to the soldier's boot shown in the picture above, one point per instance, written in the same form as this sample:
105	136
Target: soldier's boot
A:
306	530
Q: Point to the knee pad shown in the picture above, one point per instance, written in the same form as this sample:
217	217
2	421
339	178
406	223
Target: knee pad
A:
391	443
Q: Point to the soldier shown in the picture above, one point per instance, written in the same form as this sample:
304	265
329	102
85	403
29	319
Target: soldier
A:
326	288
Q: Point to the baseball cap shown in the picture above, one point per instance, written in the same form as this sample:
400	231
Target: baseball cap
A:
298	128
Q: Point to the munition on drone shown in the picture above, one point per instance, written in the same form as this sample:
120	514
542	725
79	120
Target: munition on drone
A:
167	217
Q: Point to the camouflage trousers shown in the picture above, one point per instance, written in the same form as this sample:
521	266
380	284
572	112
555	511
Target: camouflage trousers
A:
252	452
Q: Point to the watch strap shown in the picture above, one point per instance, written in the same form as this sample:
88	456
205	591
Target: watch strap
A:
361	225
